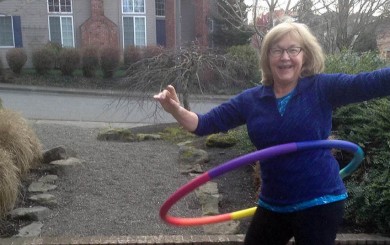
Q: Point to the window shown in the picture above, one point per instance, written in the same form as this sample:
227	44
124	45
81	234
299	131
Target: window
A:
160	7
61	22
133	6
10	32
59	6
61	30
134	23
134	32
6	32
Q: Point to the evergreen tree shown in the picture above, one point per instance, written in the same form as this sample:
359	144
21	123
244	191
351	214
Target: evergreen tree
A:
231	24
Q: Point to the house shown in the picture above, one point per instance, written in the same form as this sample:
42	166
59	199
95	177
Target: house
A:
30	24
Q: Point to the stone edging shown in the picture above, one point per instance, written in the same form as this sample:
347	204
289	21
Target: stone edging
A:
342	239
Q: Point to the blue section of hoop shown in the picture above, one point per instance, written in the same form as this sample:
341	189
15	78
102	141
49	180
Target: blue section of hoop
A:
338	144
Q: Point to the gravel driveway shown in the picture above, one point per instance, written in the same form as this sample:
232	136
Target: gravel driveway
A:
119	188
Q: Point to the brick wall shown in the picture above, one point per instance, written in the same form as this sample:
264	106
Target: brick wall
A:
170	23
98	30
201	15
202	8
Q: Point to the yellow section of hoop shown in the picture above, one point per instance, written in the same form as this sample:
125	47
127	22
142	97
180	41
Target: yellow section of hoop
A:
243	213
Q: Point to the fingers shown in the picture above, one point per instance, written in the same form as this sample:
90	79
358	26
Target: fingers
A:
169	93
168	99
172	93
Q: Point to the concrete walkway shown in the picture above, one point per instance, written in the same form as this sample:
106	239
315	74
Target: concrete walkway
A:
342	239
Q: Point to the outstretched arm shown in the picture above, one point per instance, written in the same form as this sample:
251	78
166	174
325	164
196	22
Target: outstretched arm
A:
171	104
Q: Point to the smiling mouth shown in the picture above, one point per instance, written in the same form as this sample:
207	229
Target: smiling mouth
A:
285	66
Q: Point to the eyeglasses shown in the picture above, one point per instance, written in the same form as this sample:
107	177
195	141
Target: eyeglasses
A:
293	51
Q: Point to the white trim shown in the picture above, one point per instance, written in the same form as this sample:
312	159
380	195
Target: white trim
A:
13	32
132	12
60	12
160	16
62	35
134	36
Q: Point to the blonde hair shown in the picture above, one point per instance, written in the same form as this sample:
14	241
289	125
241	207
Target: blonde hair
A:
314	58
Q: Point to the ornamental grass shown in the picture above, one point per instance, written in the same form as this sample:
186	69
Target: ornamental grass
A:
19	140
9	183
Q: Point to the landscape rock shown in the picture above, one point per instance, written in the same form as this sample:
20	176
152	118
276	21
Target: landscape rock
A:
117	134
221	140
209	198
33	213
44	199
31	230
185	143
142	137
190	159
57	153
50	178
41	187
67	162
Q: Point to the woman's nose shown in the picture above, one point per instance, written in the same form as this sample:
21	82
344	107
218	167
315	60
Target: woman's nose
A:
285	55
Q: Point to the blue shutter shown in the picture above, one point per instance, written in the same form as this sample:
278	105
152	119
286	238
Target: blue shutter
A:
17	31
160	32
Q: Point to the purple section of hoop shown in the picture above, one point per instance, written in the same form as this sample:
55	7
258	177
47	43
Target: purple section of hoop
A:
338	144
252	157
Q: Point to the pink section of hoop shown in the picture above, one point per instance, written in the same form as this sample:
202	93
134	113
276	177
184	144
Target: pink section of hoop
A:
181	192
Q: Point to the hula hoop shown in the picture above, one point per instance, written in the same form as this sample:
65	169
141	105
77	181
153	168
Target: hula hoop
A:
259	155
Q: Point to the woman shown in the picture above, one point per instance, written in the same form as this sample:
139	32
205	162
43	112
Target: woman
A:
302	194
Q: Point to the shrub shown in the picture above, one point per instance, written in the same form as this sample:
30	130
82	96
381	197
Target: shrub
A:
352	63
43	60
9	183
131	54
19	140
246	56
109	61
68	61
152	51
55	49
16	59
368	125
89	61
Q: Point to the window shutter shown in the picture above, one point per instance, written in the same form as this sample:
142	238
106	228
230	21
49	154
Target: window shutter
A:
17	31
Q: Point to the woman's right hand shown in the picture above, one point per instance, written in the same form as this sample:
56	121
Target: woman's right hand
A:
168	99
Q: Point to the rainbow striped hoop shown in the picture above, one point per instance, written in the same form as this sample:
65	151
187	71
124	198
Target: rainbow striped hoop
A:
245	160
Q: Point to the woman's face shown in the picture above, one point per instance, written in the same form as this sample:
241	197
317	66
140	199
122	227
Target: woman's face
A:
286	60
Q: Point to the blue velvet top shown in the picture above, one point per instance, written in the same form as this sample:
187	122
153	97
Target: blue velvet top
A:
301	176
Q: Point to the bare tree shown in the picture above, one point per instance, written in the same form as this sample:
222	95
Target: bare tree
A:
338	24
349	19
258	10
184	68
